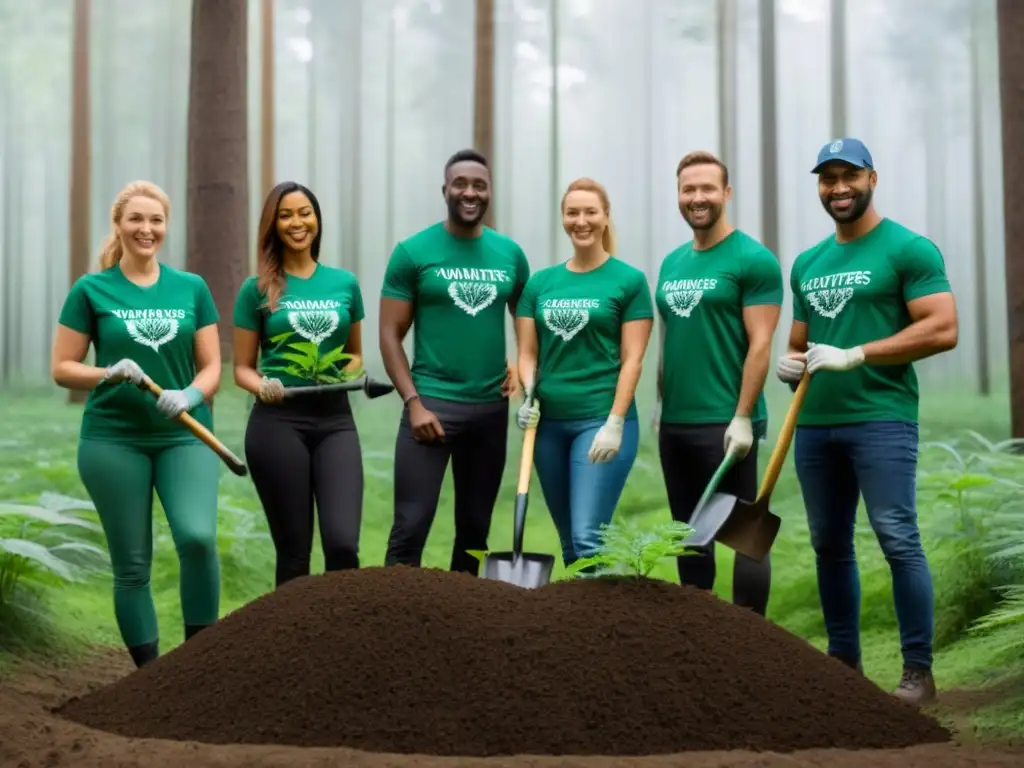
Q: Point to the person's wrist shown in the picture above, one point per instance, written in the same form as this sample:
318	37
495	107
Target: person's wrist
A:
856	354
194	396
615	420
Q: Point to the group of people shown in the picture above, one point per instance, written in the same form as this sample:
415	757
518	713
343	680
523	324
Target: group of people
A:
868	300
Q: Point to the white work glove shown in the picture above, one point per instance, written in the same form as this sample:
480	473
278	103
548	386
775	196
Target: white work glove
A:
173	402
739	437
790	370
822	357
528	414
271	390
124	370
607	440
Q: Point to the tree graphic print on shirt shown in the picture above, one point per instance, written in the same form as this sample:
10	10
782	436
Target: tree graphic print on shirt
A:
314	321
830	294
151	327
567	317
473	290
683	296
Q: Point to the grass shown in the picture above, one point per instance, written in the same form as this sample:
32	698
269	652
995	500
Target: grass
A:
38	456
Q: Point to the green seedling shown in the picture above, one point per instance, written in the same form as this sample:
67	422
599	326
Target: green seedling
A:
307	362
629	549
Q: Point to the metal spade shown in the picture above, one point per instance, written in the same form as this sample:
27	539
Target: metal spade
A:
748	528
524	569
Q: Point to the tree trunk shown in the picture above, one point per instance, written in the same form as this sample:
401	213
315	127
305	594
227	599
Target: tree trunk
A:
977	85
1011	82
483	88
769	131
837	28
218	175
81	151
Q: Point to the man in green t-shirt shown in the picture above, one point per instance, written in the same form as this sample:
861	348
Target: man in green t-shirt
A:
868	301
455	281
719	297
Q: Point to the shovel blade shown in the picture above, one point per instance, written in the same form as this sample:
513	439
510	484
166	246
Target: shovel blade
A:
709	519
750	530
528	570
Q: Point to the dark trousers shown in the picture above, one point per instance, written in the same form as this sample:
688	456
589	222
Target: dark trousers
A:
302	451
475	442
690	454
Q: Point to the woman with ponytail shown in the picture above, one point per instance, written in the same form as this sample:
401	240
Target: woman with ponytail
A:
145	318
582	329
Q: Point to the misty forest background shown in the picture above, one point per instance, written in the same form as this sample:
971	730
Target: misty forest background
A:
364	100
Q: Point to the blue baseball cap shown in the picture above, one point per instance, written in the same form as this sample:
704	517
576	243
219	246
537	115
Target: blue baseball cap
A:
847	150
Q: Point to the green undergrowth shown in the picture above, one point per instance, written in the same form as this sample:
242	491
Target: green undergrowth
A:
970	507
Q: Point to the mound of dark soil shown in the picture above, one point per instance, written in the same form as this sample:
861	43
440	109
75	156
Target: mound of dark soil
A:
425	661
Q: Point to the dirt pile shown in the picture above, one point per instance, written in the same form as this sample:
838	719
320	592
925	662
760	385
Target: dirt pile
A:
422	661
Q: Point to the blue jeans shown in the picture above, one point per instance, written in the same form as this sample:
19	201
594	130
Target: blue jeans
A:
835	465
581	495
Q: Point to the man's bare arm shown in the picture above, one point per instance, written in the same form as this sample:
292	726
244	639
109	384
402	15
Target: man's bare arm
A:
395	322
934	328
760	323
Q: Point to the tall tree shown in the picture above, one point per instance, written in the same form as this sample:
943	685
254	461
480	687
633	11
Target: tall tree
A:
1011	84
769	130
81	116
218	173
483	87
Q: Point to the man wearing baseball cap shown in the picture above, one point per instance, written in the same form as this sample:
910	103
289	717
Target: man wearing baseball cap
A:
868	301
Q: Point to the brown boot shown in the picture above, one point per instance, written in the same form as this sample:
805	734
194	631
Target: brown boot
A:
917	687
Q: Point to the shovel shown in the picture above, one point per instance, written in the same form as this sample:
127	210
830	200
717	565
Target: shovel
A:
706	519
750	528
372	388
523	569
235	464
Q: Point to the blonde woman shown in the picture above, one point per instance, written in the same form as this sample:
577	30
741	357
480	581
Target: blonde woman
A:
582	328
142	316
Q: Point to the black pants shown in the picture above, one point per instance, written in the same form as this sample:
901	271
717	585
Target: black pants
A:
303	450
475	442
690	454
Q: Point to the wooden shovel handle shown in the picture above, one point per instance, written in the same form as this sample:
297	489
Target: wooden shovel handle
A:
234	463
526	460
778	457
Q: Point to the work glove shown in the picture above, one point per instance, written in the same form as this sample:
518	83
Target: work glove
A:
173	402
739	436
124	370
271	390
528	414
790	370
822	357
607	440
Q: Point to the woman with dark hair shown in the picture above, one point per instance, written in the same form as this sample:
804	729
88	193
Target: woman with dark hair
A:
303	320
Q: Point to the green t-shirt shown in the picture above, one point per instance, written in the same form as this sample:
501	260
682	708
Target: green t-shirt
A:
152	325
853	293
579	318
700	298
303	340
460	289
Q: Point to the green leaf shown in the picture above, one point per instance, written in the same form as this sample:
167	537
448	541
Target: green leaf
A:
49	516
305	362
281	337
38	555
334	356
307	348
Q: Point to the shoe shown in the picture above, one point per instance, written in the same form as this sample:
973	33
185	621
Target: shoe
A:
917	687
191	630
144	654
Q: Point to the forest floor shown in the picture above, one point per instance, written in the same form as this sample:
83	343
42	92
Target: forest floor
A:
58	639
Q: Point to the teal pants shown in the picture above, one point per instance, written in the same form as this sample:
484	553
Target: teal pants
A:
120	478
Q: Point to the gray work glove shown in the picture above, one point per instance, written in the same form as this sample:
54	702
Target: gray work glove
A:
124	370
